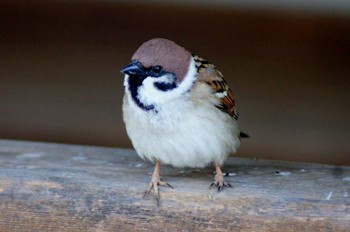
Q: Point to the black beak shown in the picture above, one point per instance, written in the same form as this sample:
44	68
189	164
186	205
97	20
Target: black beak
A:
134	68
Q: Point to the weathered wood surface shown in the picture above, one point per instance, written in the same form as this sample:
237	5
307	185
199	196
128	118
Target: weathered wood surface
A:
51	187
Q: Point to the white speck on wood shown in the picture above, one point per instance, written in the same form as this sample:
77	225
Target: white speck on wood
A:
30	155
329	195
229	174
282	173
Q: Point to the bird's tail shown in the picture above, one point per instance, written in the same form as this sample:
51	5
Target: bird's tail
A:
243	135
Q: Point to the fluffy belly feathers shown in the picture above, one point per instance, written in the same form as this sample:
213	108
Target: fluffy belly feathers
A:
179	135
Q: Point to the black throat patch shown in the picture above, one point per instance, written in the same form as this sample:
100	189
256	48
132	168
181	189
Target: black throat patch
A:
134	83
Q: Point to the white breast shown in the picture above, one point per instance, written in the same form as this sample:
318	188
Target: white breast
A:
186	131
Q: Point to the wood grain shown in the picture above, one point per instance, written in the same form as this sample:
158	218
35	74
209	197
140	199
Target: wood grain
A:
52	187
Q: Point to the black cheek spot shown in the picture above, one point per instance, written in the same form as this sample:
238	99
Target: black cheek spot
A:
165	86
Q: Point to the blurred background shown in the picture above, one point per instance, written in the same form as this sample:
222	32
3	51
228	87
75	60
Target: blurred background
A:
288	63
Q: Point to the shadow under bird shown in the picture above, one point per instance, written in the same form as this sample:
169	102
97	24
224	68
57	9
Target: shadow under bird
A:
178	110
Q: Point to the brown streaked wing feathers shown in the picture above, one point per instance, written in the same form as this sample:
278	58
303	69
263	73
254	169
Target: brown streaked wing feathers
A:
208	73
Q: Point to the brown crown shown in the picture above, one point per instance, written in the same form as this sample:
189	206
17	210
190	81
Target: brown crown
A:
165	53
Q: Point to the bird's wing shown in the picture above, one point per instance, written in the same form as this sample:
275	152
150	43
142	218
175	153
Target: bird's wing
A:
208	73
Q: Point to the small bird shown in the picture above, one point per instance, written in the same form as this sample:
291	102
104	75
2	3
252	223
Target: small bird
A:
178	110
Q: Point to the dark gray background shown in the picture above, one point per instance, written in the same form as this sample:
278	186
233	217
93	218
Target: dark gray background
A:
289	69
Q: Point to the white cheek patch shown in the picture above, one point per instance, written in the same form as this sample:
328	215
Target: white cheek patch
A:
164	79
148	94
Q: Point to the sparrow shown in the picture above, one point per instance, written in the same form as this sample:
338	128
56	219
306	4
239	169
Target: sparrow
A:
178	110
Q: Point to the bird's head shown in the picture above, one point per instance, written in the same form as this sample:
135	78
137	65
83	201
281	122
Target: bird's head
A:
160	71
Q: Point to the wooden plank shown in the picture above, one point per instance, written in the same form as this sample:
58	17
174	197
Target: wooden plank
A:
52	187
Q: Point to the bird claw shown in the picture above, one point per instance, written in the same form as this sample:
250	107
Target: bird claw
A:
220	186
153	185
220	183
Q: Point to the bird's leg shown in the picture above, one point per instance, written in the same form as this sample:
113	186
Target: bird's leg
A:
219	179
155	182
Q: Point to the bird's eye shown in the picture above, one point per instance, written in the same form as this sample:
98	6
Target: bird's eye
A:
157	69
